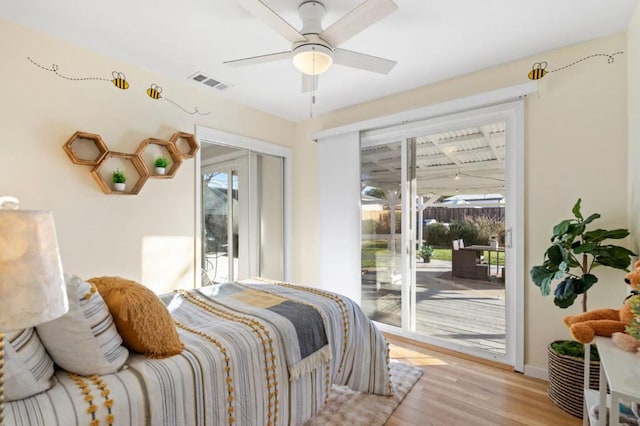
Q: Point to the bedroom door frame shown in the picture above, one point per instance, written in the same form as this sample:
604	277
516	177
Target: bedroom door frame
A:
208	135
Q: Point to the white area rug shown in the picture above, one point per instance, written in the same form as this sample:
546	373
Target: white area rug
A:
347	407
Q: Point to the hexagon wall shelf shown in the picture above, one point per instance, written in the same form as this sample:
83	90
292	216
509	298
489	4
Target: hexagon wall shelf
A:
189	139
165	149
89	149
137	164
85	148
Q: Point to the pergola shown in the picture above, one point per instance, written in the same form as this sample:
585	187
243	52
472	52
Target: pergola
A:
467	161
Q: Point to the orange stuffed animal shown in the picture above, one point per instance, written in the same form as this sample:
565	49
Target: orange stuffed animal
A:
605	322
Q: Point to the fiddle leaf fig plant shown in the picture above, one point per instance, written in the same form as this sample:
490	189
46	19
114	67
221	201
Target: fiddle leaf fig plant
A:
573	255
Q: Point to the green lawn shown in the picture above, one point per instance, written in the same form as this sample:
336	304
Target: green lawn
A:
441	254
373	247
445	254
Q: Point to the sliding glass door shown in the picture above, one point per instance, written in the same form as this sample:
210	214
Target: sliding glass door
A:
242	227
382	232
220	223
437	216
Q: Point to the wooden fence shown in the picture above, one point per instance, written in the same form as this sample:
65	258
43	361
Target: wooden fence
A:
441	214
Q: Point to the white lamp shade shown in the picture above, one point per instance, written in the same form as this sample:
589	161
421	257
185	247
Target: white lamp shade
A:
312	59
32	288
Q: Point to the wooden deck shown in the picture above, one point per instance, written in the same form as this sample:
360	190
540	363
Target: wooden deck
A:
469	312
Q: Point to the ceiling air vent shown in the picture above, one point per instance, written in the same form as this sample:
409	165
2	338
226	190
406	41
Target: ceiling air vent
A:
208	81
200	78
211	82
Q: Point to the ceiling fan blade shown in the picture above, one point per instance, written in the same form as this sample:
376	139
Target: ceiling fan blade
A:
309	82
362	61
272	57
269	17
363	16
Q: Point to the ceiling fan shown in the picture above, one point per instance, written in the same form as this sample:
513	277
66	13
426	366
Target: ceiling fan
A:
314	50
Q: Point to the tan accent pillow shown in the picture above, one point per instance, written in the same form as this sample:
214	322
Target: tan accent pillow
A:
141	318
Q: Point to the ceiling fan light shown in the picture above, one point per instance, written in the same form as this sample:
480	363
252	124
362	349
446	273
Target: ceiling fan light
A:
312	59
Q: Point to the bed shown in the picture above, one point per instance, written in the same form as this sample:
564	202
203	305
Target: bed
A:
255	352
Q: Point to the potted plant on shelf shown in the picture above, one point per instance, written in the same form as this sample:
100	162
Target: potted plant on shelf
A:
571	259
426	252
119	180
161	165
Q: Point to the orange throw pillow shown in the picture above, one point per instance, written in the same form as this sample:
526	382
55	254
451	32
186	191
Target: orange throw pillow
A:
141	318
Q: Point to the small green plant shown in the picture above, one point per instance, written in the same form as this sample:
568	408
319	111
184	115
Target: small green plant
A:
119	177
426	252
161	162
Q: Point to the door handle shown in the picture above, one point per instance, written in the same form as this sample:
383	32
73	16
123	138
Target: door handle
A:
509	238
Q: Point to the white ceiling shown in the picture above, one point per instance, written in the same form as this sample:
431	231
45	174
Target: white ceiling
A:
432	40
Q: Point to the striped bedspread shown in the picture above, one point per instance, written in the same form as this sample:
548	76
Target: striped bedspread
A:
256	353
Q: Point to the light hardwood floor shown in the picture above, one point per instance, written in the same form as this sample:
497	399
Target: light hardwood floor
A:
456	391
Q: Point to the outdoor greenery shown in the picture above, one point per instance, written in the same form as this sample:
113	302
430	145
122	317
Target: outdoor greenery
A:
445	254
119	177
370	226
441	254
476	230
381	226
161	162
472	231
437	234
372	248
574	248
426	252
465	231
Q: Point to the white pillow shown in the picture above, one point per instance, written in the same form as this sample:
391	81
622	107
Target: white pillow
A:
85	339
28	368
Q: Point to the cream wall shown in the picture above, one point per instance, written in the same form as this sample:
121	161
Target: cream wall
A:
148	237
576	146
633	115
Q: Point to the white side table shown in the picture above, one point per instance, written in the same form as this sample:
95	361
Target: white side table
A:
621	371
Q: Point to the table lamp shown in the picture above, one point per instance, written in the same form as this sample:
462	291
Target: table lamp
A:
32	288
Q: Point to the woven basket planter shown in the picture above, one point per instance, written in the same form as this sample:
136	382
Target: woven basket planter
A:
566	381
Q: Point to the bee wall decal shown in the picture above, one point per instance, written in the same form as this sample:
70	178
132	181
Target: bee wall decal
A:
155	92
118	78
539	69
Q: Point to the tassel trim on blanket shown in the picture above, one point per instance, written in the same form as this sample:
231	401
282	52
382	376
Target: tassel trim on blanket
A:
310	363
